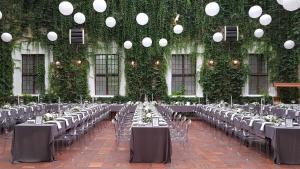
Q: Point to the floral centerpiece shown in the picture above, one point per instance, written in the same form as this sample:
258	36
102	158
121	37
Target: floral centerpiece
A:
147	118
48	117
7	106
271	118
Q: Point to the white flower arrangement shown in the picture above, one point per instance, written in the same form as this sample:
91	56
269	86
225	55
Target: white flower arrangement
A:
271	118
75	109
239	110
48	117
147	118
7	106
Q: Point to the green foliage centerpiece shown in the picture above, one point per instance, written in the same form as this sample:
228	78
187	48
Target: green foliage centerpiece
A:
147	117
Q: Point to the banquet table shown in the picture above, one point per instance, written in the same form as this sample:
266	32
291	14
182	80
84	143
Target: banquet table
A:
41	141
150	145
183	108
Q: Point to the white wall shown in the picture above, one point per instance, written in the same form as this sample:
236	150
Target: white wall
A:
91	76
199	62
28	48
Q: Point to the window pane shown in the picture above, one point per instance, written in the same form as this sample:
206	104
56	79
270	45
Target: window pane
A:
100	85
113	83
176	84
190	86
27	84
253	85
177	64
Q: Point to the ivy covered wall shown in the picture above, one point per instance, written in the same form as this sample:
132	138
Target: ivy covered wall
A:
32	19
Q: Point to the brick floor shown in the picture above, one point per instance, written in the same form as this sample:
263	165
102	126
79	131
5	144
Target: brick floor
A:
208	148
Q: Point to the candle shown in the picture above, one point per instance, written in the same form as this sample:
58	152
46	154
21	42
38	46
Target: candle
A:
38	98
18	100
152	96
231	101
58	104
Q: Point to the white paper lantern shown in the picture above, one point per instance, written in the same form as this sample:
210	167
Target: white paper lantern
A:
0	15
259	33
147	42
280	2
110	22
65	8
99	5
265	19
291	5
52	36
142	19
178	29
255	11
163	42
212	9
6	37
289	44
127	44
218	37
79	18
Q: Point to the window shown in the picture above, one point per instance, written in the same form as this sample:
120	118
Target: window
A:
31	64
258	79
107	74
183	74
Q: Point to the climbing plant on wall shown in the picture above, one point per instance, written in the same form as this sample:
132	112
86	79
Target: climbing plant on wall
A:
69	79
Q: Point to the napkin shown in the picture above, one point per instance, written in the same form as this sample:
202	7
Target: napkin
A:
232	116
262	127
64	119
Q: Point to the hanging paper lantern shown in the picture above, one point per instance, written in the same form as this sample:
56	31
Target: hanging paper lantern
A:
218	37
65	8
291	5
289	44
128	44
0	15
79	18
99	5
265	19
163	42
142	19
178	29
255	11
52	36
110	22
212	9
6	37
259	33
280	2
147	42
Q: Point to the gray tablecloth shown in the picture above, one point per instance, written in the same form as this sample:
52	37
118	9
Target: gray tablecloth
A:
33	143
150	145
286	144
183	109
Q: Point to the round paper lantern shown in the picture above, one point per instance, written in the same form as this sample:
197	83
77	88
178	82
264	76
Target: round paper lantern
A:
212	9
280	2
289	44
255	11
99	5
265	19
142	19
128	45
52	36
0	15
79	18
147	42
110	22
163	42
218	37
259	33
178	29
65	8
291	5
6	37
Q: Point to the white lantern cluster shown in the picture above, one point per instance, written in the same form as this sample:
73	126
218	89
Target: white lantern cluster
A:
265	19
110	22
99	5
147	42
66	8
178	29
289	44
0	15
163	42
127	44
142	19
259	33
291	5
6	37
79	18
212	9
218	37
52	36
255	11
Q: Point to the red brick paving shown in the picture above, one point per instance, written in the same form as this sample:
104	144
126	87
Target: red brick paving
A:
208	148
